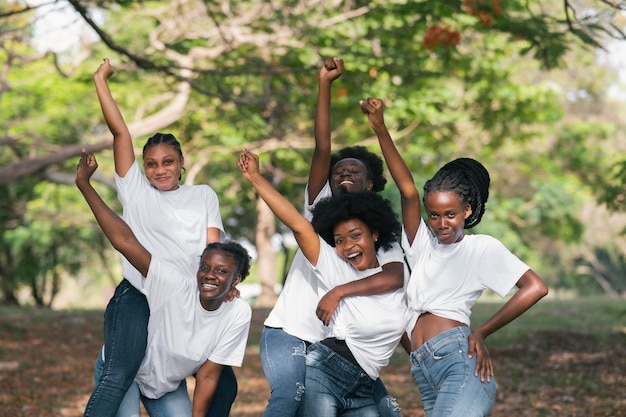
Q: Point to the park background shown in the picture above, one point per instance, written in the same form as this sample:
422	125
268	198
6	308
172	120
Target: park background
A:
534	89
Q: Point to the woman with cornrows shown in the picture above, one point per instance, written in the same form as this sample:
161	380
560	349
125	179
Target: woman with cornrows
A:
449	271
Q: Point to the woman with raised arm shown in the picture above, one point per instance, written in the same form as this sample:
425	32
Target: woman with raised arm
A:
449	271
192	331
293	323
172	220
342	244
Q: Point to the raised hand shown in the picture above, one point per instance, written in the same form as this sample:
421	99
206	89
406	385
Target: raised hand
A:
105	70
87	165
331	70
373	107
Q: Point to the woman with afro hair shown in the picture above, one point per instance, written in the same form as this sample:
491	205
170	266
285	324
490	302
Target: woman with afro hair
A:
449	271
341	244
301	313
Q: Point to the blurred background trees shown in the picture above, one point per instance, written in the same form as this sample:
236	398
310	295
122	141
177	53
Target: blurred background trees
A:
531	88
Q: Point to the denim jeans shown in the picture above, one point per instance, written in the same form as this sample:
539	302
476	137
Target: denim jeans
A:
445	377
175	403
125	335
335	386
284	364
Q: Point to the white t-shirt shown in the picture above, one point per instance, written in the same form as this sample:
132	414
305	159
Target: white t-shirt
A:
446	280
182	335
371	325
294	310
171	225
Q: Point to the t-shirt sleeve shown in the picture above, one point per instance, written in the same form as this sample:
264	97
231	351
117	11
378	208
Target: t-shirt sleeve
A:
232	345
395	254
500	268
128	185
214	217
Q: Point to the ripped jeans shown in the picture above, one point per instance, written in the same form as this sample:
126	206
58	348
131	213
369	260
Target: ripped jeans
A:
283	357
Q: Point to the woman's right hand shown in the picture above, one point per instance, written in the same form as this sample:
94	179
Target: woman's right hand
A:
105	70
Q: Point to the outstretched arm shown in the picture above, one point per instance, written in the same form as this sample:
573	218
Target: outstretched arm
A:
123	151
303	231
320	164
400	172
531	289
113	226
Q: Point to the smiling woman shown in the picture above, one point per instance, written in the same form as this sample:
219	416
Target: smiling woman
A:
363	333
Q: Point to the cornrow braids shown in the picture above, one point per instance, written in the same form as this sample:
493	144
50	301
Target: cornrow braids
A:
367	206
165	139
235	251
372	162
469	179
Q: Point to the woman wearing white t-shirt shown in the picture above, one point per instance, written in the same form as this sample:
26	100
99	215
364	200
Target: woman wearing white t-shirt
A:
449	271
301	312
364	330
174	222
192	330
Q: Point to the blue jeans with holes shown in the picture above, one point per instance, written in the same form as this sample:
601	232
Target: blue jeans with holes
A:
336	387
284	364
445	377
125	336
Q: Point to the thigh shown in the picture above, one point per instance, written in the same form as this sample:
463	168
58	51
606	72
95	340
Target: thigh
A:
125	331
172	404
387	405
129	407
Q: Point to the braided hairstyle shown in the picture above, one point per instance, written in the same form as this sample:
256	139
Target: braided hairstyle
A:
367	206
235	251
164	139
469	179
372	162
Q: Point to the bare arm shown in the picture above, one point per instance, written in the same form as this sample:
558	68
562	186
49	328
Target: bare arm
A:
123	151
389	279
400	172
303	231
320	164
114	227
531	289
207	378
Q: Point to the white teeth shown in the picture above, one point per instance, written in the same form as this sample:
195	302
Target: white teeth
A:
353	255
209	286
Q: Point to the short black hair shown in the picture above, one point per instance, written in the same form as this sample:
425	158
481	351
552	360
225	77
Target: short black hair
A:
367	206
372	162
469	179
237	252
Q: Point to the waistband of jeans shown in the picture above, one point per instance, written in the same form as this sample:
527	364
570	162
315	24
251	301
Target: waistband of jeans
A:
340	347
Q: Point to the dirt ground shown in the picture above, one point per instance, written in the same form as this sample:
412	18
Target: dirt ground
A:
46	363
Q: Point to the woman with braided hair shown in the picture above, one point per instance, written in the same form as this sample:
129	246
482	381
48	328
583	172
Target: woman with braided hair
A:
449	271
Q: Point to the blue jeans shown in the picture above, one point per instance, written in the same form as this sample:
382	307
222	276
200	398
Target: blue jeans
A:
125	336
445	377
284	364
336	387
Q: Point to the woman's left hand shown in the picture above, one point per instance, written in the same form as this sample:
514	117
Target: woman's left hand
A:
477	346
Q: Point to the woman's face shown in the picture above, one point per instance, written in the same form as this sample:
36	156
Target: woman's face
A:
356	244
216	276
162	166
446	216
349	175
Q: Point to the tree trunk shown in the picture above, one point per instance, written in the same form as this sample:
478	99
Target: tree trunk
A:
266	261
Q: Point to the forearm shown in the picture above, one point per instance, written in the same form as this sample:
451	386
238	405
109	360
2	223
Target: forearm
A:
320	163
532	289
112	115
113	226
390	279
